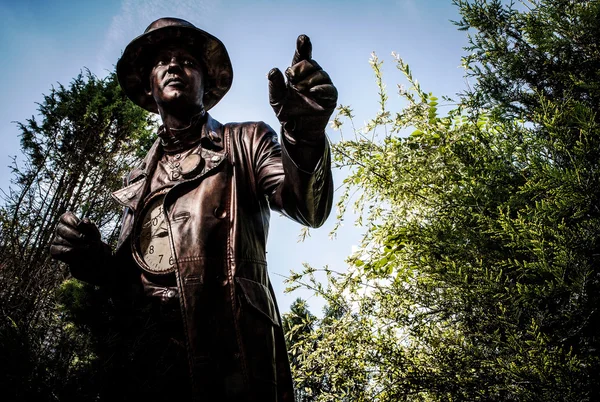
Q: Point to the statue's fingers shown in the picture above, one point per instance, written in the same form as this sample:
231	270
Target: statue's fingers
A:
303	49
88	228
69	218
301	70
70	234
326	92
277	88
318	78
61	241
61	252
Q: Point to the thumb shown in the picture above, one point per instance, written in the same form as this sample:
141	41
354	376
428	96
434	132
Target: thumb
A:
277	89
88	229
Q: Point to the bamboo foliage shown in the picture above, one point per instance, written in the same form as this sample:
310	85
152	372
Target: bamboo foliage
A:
478	275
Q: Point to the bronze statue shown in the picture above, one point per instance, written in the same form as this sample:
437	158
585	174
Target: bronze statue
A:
196	214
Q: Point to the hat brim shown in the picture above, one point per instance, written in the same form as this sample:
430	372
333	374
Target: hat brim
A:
206	48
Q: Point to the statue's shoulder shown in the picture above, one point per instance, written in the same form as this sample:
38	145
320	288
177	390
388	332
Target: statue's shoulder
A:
141	165
238	130
250	128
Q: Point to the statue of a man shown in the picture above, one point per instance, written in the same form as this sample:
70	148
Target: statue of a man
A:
196	214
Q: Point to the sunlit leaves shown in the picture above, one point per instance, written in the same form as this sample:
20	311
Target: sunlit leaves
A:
477	278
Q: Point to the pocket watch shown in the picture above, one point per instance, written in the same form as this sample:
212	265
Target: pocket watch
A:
151	243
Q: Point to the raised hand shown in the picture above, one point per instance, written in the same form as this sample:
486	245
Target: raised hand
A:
305	103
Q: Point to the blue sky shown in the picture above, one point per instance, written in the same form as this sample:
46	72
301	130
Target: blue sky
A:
45	42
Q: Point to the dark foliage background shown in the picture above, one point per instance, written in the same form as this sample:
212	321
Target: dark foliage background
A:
478	276
75	152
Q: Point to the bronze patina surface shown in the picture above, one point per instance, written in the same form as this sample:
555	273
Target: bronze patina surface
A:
196	212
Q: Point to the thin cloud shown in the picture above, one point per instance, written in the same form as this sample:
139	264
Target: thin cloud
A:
408	6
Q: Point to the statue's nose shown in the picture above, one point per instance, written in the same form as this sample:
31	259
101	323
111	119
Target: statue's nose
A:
174	63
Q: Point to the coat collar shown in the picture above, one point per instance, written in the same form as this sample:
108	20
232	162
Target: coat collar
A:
211	137
212	143
178	140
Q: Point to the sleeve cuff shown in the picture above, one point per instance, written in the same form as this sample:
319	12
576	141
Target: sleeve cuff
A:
307	155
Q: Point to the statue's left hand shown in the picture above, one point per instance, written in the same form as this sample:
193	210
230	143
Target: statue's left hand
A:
305	103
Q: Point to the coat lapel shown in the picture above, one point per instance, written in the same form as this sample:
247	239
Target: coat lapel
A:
137	182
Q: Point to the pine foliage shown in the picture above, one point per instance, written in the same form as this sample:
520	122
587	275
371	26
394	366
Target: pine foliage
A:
75	152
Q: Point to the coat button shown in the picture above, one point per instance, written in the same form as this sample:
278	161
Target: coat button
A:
221	280
170	294
220	212
213	137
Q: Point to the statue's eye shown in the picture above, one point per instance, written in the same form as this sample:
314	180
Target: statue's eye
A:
187	62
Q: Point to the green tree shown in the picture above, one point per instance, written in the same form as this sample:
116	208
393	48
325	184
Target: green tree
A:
298	324
340	374
478	275
520	59
74	154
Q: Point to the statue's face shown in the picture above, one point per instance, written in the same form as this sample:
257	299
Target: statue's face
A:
176	78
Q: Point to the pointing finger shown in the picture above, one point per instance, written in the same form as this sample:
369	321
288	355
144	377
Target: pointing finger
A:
277	87
303	49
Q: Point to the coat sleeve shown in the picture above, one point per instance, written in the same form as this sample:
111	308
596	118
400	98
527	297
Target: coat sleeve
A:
294	175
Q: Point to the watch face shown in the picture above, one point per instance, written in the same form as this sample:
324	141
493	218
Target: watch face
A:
154	244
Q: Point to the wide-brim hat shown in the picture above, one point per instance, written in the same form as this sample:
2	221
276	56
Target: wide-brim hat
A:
133	64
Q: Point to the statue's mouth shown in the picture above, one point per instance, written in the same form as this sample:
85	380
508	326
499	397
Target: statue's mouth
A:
175	81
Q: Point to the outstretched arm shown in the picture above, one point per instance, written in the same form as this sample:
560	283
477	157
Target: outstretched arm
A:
297	176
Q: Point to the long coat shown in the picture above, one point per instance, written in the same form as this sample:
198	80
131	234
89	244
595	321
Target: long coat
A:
218	223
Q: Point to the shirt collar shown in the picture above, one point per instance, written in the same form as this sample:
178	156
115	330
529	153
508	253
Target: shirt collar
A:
201	129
